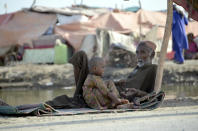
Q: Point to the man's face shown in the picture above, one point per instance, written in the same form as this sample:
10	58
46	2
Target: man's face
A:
143	54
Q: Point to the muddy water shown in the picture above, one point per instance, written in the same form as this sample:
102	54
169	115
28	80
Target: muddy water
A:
35	95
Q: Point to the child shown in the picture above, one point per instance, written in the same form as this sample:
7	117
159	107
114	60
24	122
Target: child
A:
97	93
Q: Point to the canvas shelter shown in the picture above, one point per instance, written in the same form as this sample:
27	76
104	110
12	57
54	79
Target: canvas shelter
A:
23	27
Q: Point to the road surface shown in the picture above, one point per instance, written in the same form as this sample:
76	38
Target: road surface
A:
184	118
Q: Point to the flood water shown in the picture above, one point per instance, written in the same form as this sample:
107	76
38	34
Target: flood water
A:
34	95
37	95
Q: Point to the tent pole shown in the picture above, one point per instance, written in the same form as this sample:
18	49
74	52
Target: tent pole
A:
167	33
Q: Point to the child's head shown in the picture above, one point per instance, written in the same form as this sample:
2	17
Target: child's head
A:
145	52
96	66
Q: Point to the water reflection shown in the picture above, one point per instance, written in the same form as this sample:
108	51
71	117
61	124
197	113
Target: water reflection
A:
181	91
32	96
37	95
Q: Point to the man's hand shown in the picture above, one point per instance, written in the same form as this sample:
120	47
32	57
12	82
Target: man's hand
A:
137	91
120	82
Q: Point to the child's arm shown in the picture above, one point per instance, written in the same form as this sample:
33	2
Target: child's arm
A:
104	90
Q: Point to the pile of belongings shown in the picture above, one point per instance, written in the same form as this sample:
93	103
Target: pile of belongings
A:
119	57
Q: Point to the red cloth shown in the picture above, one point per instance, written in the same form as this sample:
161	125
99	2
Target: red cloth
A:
170	55
192	48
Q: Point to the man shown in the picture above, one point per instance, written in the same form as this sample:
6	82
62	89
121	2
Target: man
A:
142	79
180	41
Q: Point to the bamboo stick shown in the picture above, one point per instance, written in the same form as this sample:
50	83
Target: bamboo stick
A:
167	33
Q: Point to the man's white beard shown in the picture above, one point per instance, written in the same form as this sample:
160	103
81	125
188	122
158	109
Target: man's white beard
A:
142	63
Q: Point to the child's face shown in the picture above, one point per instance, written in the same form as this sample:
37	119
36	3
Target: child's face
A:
143	54
99	69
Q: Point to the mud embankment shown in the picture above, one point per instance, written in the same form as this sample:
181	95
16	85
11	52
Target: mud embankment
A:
31	75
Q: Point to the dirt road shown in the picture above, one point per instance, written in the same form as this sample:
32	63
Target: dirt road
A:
183	118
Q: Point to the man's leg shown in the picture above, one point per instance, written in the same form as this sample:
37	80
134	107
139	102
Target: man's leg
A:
80	63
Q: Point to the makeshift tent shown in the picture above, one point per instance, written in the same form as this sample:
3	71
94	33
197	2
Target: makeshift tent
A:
75	32
122	22
26	28
42	50
27	25
100	43
23	27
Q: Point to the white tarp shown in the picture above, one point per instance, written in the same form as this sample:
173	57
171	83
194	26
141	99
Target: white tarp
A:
88	45
99	44
107	38
63	19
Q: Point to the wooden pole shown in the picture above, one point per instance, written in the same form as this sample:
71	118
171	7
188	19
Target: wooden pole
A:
140	15
167	33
